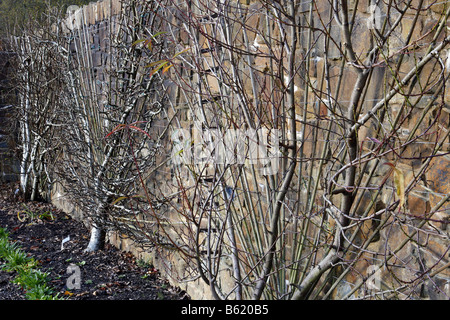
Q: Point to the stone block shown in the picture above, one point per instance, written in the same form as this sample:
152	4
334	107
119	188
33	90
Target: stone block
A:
115	7
94	13
362	5
86	14
100	11
254	21
348	83
97	59
438	7
408	26
60	200
261	62
104	7
438	179
95	42
316	67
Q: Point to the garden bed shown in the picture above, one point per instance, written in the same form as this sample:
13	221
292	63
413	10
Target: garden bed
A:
104	275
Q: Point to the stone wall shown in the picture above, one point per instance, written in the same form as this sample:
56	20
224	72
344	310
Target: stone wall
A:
97	21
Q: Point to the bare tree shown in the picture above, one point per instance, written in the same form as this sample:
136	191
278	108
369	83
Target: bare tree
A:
79	117
106	108
38	80
339	82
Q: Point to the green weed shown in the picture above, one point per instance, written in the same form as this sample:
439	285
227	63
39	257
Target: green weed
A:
32	280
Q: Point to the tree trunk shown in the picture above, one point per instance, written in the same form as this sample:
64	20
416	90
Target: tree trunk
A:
97	240
98	231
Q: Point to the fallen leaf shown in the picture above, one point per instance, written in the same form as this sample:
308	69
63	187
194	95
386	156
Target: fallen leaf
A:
68	293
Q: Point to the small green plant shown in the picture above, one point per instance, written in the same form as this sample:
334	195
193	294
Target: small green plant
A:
6	247
18	259
41	292
37	293
160	296
32	280
143	264
81	263
3	234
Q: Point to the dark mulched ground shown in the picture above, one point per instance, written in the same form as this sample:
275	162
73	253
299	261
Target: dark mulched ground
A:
105	275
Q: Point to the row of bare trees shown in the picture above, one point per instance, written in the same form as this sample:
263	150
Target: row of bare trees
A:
39	65
301	132
78	122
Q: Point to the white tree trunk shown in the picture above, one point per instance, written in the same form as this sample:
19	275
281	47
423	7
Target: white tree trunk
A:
97	240
26	138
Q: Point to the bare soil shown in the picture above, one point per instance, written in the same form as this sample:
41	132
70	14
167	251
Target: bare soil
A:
108	274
